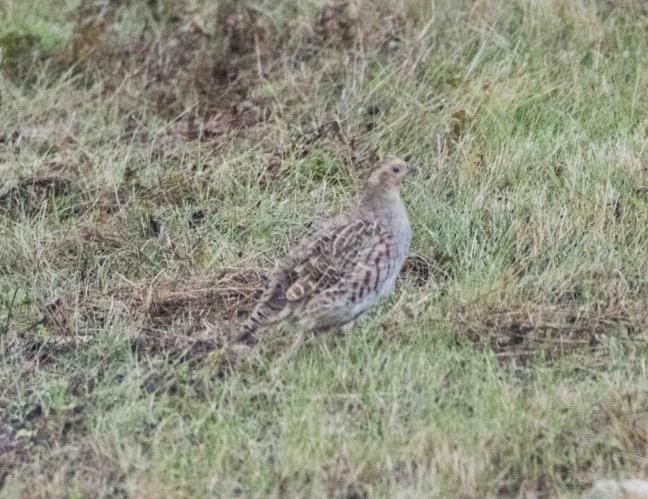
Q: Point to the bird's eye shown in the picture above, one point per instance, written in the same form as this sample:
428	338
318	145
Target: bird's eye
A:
396	168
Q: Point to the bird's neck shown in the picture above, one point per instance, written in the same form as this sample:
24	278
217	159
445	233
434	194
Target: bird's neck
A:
388	208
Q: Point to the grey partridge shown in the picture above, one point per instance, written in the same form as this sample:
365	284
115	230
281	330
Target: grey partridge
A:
342	267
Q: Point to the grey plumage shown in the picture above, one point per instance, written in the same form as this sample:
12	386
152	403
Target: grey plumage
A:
344	266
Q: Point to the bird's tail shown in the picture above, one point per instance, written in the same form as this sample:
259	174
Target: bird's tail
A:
248	334
272	308
264	316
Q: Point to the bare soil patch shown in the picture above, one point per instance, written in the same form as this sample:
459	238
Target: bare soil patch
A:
517	336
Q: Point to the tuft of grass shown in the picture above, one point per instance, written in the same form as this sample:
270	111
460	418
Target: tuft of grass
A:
156	158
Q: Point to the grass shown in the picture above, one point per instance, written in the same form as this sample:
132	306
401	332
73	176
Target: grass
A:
157	157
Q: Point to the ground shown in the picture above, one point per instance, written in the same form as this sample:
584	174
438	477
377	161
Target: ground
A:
157	157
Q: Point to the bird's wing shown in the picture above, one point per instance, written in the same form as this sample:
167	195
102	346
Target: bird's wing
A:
293	269
342	252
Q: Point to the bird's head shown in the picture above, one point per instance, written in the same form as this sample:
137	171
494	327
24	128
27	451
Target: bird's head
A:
390	174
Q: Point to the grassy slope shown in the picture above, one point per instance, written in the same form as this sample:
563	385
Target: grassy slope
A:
139	150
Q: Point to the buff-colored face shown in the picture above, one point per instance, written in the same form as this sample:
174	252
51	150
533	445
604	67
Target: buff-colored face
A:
390	174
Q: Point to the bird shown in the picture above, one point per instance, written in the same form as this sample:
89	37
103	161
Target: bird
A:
343	266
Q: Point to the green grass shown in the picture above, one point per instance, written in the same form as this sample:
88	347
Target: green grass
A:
157	157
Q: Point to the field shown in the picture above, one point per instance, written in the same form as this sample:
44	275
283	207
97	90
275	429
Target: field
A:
157	157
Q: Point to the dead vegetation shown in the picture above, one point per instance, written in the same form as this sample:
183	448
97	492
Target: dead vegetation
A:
226	296
28	194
